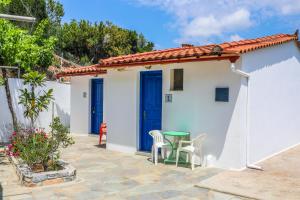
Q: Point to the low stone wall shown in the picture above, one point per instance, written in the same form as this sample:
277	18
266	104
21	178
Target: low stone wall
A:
32	179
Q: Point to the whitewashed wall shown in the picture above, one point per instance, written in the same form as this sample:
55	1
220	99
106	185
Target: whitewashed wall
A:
80	104
61	93
274	99
193	109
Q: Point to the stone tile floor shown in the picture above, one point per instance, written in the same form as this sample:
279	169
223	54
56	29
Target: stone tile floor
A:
103	174
280	178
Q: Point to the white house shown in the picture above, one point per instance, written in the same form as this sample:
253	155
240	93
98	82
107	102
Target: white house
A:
245	95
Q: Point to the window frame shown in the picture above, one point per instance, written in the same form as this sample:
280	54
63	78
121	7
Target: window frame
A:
173	86
222	94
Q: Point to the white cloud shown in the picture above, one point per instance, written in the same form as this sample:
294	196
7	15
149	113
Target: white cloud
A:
235	37
210	25
201	20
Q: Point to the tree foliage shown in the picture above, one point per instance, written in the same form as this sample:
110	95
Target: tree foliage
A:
86	43
4	2
79	41
40	9
24	50
29	52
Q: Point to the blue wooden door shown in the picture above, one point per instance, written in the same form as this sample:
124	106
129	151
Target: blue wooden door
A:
96	105
151	106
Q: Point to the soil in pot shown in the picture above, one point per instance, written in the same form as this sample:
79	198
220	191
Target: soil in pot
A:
37	168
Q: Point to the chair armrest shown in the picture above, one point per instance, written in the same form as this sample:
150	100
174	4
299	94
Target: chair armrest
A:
181	142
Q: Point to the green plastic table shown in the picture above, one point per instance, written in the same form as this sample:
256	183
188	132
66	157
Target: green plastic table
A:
176	135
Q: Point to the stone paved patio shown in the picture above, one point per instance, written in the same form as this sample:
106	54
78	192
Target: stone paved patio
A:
279	180
103	174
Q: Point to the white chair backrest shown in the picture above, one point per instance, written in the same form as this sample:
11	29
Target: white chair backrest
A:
198	141
157	136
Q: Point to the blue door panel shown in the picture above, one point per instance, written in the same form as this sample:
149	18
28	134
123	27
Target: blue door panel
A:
96	105
151	106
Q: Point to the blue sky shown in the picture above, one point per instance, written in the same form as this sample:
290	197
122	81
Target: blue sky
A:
168	23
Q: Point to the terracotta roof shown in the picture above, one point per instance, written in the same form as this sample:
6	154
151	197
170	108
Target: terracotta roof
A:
188	53
173	54
86	70
244	46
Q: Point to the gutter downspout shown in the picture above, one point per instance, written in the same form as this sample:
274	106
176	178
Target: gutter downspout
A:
247	76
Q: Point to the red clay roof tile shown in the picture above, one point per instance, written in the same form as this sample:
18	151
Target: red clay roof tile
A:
184	54
236	47
86	70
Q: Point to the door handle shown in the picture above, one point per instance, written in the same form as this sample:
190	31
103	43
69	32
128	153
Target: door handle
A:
93	110
144	114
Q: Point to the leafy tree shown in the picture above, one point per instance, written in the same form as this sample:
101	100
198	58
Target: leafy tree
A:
79	41
34	102
28	52
86	43
51	10
4	3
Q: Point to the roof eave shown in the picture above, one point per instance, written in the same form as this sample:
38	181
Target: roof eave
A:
229	57
60	75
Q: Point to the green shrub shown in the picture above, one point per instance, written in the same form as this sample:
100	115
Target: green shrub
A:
36	148
59	139
32	146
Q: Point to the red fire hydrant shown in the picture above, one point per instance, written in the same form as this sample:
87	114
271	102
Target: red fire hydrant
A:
102	131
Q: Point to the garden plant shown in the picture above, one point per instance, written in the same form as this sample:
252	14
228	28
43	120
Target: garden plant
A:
41	151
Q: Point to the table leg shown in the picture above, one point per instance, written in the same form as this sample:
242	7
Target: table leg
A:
170	158
172	149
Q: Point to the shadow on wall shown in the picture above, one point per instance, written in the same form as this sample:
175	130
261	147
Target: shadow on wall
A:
64	116
5	132
61	108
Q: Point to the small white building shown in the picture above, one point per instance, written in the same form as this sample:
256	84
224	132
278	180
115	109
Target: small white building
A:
244	95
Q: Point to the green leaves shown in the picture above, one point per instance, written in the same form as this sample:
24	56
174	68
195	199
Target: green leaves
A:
35	147
34	79
5	2
32	146
30	52
60	134
40	9
1	81
87	43
34	102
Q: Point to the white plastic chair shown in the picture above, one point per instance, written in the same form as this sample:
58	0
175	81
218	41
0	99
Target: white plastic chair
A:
193	149
158	142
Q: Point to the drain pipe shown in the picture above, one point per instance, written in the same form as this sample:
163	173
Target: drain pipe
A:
247	76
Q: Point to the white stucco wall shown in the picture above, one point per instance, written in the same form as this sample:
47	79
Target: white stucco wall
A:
60	108
80	105
193	109
274	99
121	109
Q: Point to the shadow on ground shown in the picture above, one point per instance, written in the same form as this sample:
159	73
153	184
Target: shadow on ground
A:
103	146
1	192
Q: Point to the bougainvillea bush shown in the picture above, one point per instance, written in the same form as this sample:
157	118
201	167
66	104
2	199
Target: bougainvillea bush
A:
38	149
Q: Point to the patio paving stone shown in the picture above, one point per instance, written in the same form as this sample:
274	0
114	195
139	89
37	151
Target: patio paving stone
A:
104	174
